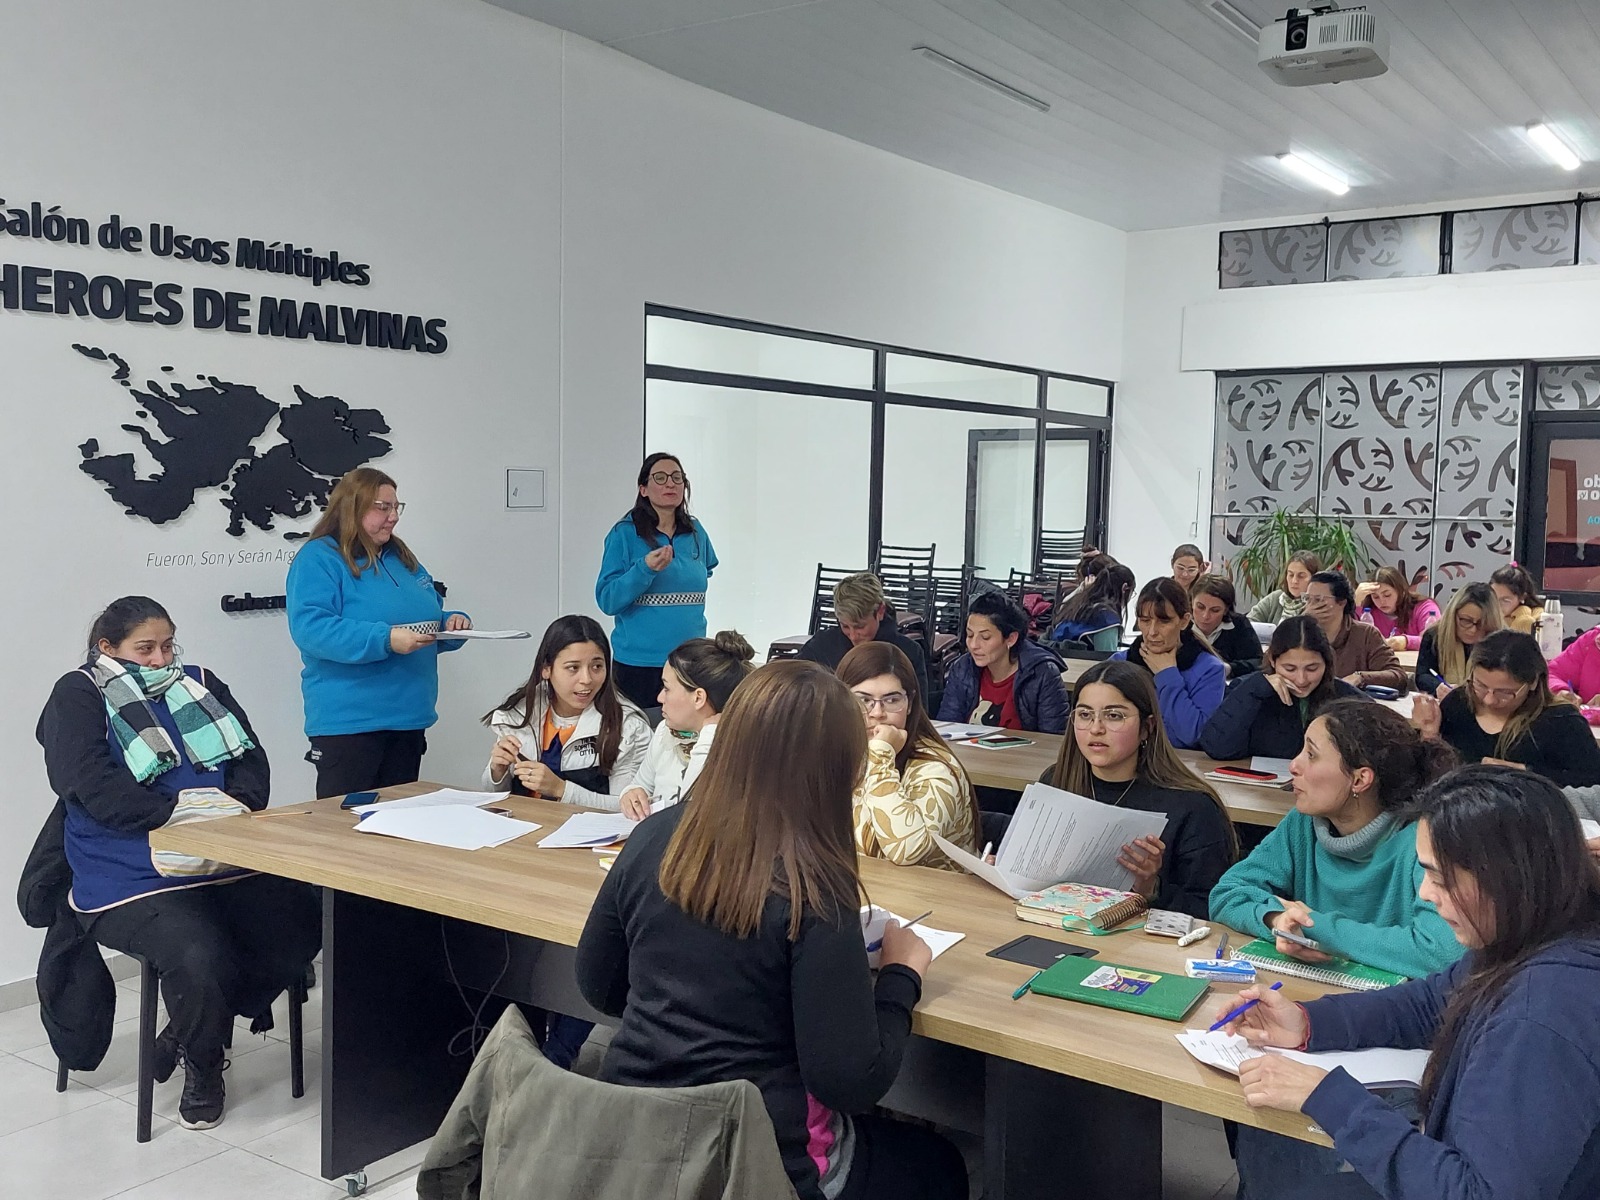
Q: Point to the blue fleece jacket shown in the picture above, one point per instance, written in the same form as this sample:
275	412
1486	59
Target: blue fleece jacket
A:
1514	1117
655	611
352	681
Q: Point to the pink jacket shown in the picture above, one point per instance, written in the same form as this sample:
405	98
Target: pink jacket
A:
1423	615
1577	668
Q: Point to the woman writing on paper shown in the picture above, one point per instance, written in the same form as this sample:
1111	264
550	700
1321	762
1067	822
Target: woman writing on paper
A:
914	787
1214	604
1341	869
728	940
565	734
1095	612
653	576
1512	1086
1471	615
696	683
1118	754
1395	609
136	740
1507	714
1189	675
363	613
1267	713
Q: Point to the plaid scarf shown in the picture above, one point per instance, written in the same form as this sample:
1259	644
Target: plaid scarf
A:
211	734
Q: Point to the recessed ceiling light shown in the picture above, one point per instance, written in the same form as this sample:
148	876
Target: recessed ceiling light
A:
1312	173
1553	147
977	76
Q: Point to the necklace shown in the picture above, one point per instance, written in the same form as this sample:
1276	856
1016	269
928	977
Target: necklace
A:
1125	791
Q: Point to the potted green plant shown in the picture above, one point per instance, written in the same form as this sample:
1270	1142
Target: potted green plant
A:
1274	536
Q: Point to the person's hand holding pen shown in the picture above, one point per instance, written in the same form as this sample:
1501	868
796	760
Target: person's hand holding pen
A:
902	945
506	751
1271	1081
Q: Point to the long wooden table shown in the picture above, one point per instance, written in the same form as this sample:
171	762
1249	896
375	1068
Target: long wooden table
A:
1054	1087
1015	768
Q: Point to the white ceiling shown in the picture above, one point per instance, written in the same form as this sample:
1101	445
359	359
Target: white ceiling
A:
1159	115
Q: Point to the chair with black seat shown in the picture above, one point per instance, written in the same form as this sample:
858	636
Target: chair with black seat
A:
822	614
1058	552
149	991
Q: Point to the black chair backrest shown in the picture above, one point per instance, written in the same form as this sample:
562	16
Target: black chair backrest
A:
1058	552
822	614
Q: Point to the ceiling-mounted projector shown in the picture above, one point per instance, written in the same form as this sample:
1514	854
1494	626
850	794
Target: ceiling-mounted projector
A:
1323	44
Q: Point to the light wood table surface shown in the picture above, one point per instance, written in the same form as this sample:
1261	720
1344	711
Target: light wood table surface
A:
966	1002
1015	768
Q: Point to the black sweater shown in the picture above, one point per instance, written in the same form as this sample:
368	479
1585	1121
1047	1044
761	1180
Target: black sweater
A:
701	1006
831	645
1236	642
1428	672
1560	745
1198	840
1252	720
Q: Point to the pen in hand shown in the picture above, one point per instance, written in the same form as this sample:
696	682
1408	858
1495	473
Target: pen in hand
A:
1233	1014
874	947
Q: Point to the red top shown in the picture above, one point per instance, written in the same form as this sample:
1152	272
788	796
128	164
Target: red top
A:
997	704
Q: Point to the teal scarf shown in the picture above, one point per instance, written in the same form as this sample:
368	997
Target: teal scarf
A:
211	734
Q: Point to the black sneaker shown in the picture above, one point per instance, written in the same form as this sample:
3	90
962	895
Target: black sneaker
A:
166	1054
203	1093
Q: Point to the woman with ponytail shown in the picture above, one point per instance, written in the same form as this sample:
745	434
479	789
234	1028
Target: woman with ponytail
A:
1512	1086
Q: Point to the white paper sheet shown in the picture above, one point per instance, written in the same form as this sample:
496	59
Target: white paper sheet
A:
491	635
441	798
589	829
1591	829
1377	1067
954	731
1278	766
874	918
1057	837
456	826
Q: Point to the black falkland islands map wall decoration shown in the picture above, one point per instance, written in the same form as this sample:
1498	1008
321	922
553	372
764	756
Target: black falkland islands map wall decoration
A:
205	438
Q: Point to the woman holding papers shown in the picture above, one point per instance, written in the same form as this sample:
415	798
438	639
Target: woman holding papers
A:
653	576
1118	754
1341	869
1267	713
360	611
914	788
565	734
136	740
1189	675
728	940
1513	1084
696	683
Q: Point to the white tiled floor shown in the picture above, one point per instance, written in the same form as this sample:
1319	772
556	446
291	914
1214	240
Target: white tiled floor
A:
80	1146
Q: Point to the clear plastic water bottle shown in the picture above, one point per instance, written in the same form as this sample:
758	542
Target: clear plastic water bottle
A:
1551	629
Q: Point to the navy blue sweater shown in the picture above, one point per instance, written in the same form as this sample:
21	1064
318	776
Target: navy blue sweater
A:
1515	1116
1252	721
1039	694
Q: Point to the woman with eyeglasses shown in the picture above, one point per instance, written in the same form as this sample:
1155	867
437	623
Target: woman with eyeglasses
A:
365	615
653	578
1360	655
1507	715
914	787
1119	754
1471	615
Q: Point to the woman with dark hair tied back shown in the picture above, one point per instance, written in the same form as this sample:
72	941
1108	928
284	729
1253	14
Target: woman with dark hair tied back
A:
653	576
696	685
1520	606
1511	1094
1005	679
1360	655
1507	714
136	740
1188	673
1267	714
1214	606
1095	613
1188	564
728	940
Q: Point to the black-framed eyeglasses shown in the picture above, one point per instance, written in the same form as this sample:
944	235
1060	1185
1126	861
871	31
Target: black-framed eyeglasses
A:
662	478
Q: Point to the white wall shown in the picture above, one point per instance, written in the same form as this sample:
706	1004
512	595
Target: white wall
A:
534	189
1181	329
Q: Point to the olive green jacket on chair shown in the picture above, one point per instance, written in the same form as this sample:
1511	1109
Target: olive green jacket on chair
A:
524	1129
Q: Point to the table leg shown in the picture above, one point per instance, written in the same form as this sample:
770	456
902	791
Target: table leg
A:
1048	1136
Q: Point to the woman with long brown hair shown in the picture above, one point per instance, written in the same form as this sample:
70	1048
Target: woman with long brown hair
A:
1118	753
914	787
1512	1086
365	616
1399	613
727	939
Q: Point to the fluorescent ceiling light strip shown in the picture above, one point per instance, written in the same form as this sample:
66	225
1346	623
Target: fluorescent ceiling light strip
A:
1311	173
1231	18
1556	150
977	76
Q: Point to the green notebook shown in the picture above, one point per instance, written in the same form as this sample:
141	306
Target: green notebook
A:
1341	972
1151	993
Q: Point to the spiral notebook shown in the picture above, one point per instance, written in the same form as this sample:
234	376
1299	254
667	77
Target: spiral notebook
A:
1341	972
1081	908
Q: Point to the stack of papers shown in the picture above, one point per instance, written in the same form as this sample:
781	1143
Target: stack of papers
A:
589	829
456	826
440	798
954	731
1274	770
493	635
873	919
1376	1068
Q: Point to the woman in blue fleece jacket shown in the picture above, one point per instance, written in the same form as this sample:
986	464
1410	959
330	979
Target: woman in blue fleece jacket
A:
1190	676
1511	1092
360	611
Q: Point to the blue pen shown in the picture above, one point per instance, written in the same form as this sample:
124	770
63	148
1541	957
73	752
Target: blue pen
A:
874	947
1236	1013
1222	948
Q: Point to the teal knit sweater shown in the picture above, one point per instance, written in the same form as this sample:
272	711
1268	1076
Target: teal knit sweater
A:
1362	892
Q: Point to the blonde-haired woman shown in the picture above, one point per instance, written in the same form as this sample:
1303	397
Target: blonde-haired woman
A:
363	613
1472	614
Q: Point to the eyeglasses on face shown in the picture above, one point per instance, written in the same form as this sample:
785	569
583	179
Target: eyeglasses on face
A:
894	702
389	506
1114	718
1497	695
1466	622
662	478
